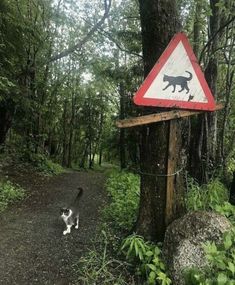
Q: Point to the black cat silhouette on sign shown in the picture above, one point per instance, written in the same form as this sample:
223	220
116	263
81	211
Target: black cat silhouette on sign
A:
182	81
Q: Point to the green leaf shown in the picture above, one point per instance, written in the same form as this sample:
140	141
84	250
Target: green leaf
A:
152	267
152	277
227	242
222	279
231	267
149	253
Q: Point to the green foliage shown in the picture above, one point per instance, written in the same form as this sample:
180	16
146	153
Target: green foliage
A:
9	193
227	210
206	197
123	189
99	267
221	263
147	257
43	164
231	164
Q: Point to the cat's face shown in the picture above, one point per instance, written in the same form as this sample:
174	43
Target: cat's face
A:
64	212
165	77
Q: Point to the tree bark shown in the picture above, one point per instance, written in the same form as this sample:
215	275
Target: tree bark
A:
196	123
232	191
209	134
7	109
65	134
71	131
122	142
159	22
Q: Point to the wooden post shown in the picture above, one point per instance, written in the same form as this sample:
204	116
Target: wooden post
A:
171	168
173	151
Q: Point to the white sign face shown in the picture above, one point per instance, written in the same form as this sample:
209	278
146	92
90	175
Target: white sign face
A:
176	80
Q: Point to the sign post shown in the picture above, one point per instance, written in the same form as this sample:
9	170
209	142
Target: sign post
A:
176	81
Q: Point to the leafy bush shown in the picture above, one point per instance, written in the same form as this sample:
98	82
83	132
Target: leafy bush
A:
147	257
123	189
206	197
42	163
231	164
221	263
9	193
227	210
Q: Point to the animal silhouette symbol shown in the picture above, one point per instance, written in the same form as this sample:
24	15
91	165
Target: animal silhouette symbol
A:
178	80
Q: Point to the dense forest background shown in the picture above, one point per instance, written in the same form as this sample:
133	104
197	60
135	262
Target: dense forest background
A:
69	70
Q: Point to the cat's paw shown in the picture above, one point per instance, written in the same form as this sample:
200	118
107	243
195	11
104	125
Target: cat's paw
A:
65	232
76	227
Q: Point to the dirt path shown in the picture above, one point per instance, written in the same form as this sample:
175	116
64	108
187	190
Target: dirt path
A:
32	247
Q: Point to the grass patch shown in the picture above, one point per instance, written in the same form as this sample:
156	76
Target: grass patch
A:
9	193
99	266
206	197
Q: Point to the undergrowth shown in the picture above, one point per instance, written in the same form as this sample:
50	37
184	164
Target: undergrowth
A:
205	197
100	266
118	260
42	164
220	257
123	190
147	259
9	193
221	263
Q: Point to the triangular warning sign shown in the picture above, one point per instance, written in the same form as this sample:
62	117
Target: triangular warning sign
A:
176	80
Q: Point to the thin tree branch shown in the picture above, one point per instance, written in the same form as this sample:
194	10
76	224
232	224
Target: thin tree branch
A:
115	41
214	35
78	46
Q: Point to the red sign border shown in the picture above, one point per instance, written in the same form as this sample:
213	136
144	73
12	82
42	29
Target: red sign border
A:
139	96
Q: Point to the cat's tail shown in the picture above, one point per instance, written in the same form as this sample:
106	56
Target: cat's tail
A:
80	192
190	75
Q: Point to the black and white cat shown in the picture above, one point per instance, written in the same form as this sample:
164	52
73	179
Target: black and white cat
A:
70	215
178	80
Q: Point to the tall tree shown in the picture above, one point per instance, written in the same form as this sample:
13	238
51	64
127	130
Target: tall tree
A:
159	22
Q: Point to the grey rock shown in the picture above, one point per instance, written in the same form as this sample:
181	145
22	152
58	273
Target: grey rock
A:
182	246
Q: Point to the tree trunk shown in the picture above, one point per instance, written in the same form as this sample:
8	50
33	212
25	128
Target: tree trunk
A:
100	155
84	156
159	22
7	109
196	123
71	131
122	142
209	146
65	143
232	191
197	27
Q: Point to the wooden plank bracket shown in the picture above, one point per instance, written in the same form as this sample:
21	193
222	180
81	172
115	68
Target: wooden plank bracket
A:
160	117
